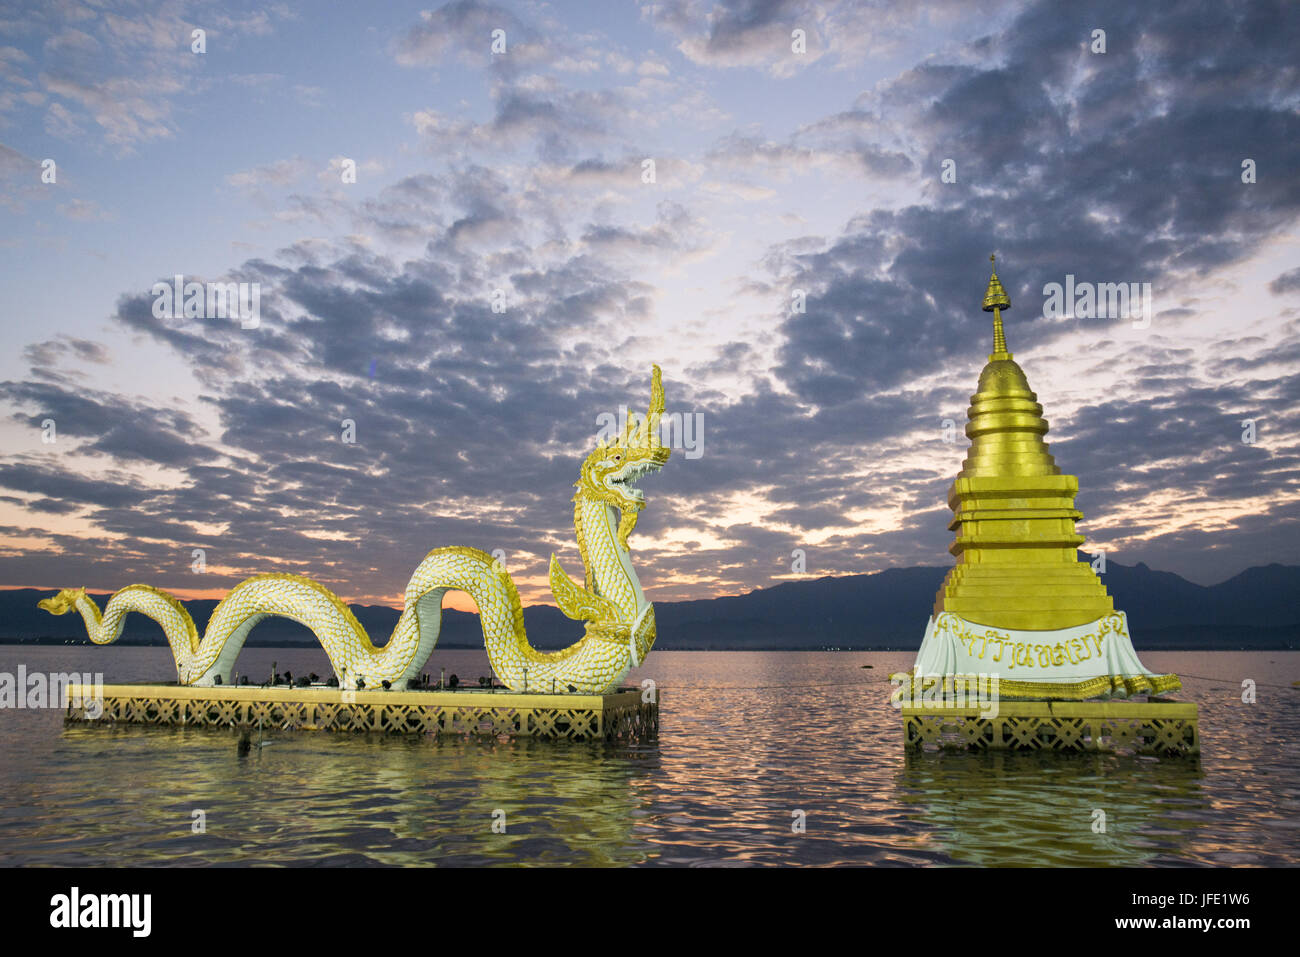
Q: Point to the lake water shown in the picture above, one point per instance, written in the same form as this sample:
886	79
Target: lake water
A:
746	740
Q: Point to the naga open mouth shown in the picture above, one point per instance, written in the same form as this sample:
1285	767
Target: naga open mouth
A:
620	482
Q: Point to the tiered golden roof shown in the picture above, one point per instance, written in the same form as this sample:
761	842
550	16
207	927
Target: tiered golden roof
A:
1013	510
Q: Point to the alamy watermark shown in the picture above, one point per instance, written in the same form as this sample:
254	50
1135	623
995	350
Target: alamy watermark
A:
208	300
127	911
1104	300
677	430
38	690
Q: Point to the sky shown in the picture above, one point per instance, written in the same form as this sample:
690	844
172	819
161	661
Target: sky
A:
806	264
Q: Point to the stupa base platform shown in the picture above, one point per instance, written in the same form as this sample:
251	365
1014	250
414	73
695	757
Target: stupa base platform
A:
1141	727
500	713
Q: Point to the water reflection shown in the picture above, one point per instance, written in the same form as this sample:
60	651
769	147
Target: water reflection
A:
1041	808
343	799
746	740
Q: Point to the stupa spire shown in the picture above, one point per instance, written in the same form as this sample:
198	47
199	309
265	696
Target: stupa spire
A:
995	300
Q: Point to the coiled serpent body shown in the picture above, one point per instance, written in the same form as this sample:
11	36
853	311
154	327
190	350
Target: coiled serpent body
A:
620	627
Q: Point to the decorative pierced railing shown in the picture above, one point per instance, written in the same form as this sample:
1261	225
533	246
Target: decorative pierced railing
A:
1144	727
624	714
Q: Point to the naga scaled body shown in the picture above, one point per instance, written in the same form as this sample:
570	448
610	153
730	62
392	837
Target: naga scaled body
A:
620	626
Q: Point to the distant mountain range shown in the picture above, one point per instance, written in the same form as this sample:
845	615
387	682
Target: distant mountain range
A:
888	609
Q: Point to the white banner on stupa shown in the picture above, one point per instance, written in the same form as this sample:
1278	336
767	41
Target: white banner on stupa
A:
1086	661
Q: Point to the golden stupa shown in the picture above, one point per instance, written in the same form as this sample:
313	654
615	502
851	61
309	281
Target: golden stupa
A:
1013	510
1018	603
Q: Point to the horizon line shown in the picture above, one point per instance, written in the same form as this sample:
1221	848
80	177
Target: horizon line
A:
189	594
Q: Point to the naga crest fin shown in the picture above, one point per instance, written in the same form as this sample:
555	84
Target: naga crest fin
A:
62	603
579	603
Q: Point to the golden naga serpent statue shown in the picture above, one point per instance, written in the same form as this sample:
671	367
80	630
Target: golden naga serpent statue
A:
620	624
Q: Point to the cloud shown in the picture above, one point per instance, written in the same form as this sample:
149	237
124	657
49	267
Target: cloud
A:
69	490
20	176
46	354
821	427
111	425
114	76
1289	281
554	122
280	173
744	33
462	31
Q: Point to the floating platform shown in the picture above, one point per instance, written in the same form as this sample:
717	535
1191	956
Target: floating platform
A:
1144	727
621	715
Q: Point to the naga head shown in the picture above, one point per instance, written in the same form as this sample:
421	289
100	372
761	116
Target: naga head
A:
609	472
62	603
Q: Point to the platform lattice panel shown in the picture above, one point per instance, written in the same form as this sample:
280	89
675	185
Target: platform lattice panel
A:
1143	727
623	714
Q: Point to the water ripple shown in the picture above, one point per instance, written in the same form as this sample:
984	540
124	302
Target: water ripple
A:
750	744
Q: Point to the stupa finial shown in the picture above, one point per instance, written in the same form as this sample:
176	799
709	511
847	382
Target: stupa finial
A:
995	300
